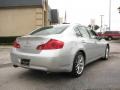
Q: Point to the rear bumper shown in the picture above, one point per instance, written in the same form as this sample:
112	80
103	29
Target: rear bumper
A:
46	61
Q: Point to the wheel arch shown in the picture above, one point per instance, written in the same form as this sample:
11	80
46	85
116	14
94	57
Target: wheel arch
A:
74	72
83	52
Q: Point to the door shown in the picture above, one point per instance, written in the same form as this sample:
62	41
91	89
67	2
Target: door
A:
89	44
99	44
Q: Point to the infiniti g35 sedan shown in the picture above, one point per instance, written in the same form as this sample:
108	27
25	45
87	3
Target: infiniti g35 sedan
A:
59	48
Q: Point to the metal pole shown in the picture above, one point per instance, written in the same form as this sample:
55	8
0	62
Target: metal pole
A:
105	28
119	9
65	17
109	14
101	22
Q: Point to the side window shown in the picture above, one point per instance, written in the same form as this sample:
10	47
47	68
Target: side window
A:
76	29
92	33
84	32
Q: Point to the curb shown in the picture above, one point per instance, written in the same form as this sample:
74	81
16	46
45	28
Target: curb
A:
5	46
5	65
2	47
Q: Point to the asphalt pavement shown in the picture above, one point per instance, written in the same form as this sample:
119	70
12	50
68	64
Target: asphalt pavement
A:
99	75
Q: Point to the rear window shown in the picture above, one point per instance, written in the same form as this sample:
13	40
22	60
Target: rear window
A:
49	30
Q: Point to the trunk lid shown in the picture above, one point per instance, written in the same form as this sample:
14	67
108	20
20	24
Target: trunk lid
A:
28	44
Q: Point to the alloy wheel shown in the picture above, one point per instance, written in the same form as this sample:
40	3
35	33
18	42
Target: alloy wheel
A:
107	53
80	64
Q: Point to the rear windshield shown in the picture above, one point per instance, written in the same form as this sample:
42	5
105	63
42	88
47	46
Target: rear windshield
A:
49	30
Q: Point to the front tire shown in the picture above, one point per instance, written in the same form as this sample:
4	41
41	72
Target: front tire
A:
106	53
78	65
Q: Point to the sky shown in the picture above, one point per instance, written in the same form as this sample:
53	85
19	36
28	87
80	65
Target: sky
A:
83	11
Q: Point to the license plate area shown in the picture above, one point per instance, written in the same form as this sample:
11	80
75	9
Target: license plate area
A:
25	62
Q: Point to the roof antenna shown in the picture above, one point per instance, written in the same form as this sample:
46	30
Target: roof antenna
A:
65	19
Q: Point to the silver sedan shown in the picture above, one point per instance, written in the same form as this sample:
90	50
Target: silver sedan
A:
59	48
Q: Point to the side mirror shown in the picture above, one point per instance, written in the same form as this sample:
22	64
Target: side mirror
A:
99	37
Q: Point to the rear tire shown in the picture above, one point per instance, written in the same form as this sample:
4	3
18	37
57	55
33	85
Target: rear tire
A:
78	65
109	38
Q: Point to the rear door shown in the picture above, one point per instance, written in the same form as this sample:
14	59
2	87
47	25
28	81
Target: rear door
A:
89	44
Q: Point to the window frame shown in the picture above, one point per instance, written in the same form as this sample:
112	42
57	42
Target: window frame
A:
77	27
86	31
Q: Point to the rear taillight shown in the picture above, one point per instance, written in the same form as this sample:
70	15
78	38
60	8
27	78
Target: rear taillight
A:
51	44
16	44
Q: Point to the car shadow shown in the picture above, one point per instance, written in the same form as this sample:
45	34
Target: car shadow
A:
38	75
48	76
98	62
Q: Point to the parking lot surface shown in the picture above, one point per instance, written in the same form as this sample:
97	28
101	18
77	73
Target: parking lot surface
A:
99	75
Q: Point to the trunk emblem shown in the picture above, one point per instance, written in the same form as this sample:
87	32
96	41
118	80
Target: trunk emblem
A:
27	42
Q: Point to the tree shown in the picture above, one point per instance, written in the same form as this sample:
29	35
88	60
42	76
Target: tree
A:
95	27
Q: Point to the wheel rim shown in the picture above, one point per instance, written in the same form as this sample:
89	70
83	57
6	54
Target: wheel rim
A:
80	64
107	52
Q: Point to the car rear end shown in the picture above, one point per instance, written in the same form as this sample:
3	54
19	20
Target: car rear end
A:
111	35
116	34
40	52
